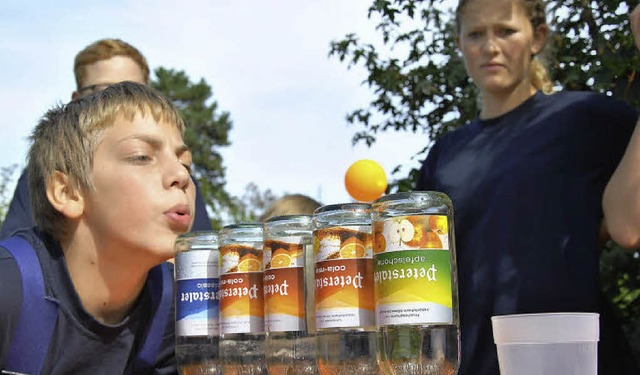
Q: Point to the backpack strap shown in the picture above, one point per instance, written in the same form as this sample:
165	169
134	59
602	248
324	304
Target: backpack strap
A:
160	286
38	315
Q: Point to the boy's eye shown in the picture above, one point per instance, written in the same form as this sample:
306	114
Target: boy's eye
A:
140	158
505	32
187	166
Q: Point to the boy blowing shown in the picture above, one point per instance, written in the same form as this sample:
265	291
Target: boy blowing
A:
111	191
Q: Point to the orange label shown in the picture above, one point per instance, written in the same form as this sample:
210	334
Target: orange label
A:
284	300
284	296
344	277
241	290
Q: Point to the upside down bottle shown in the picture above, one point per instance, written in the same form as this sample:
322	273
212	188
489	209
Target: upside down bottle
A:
290	344
345	322
241	300
197	283
416	294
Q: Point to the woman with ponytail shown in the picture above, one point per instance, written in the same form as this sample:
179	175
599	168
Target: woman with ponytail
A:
526	178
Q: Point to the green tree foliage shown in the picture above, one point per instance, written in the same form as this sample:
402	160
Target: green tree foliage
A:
419	80
420	86
620	280
207	131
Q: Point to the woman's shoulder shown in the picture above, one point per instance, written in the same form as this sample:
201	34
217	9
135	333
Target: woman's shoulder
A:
590	118
588	100
586	107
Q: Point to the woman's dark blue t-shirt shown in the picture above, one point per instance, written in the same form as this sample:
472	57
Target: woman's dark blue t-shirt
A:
527	189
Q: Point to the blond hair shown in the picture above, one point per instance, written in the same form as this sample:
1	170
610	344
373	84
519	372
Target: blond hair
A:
292	204
535	10
66	138
105	49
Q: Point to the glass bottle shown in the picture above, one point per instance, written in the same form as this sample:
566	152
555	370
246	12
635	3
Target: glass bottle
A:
197	282
288	295
241	300
416	293
345	321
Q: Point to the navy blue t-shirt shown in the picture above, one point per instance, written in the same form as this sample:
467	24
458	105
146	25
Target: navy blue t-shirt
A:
80	344
19	214
526	189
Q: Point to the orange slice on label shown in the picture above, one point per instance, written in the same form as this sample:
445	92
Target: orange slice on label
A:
352	250
280	261
279	251
249	265
249	256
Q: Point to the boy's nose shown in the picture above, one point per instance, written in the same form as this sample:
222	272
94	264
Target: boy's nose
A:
180	176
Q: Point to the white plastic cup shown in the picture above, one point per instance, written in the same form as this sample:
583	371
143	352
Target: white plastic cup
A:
547	344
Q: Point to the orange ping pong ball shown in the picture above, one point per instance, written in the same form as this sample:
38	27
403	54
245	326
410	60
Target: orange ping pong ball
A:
365	180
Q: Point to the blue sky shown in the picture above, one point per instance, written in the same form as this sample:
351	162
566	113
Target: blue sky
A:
267	62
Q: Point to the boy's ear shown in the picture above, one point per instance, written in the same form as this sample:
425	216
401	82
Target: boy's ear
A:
64	197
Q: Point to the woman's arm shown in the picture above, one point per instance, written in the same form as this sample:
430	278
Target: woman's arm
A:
621	202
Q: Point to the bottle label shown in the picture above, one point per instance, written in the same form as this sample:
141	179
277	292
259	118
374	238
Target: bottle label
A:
197	293
412	274
284	298
241	290
343	277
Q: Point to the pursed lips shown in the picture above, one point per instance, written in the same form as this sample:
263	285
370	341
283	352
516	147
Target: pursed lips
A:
179	215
